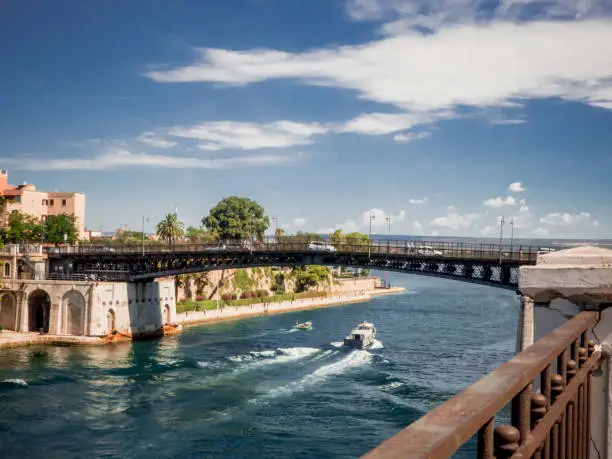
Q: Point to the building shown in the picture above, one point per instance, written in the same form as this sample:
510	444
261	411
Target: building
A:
27	199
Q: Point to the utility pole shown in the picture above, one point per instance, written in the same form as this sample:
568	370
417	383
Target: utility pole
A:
511	235
501	235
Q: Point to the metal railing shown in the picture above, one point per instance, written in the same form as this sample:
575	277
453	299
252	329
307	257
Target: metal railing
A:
549	424
392	248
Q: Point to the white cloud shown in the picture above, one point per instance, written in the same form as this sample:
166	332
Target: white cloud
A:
410	136
408	14
540	232
500	202
565	219
517	187
453	220
595	222
417	228
115	158
299	221
466	64
487	231
418	201
219	135
434	233
150	138
380	217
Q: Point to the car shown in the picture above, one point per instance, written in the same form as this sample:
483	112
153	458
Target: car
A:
320	246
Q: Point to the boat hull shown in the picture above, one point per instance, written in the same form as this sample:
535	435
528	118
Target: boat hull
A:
358	344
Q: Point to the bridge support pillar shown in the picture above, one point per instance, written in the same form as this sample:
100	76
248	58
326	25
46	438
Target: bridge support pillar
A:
525	324
559	286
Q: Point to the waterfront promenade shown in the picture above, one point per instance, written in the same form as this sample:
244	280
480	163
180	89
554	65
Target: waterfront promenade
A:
17	339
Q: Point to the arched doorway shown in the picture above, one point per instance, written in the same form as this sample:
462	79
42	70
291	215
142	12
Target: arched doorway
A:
74	313
8	312
111	325
167	315
7	270
39	308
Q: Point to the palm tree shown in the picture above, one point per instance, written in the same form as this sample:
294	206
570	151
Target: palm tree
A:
170	229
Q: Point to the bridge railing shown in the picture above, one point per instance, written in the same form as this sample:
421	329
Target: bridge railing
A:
392	248
551	423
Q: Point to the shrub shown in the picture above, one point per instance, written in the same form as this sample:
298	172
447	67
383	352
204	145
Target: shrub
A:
226	296
200	298
262	293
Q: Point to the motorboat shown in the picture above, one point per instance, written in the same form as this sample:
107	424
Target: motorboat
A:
361	337
303	325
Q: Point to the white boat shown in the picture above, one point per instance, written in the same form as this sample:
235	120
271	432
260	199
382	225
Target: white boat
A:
303	326
361	337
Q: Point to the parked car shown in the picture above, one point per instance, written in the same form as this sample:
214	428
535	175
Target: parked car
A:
320	246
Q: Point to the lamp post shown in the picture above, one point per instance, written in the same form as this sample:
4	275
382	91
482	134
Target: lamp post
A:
143	234
388	220
372	217
511	235
501	235
275	220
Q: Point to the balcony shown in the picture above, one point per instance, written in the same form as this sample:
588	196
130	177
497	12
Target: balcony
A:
548	388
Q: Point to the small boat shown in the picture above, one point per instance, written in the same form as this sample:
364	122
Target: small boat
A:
361	337
303	326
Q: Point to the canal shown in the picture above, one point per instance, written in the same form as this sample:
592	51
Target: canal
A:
255	388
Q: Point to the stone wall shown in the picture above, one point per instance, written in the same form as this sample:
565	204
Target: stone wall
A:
87	308
215	283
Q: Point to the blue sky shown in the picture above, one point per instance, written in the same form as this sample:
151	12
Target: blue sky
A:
444	115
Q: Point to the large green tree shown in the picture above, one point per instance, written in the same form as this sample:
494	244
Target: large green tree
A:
309	276
170	229
56	226
21	227
237	218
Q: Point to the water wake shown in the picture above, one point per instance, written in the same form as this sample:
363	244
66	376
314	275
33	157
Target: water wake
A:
352	360
15	382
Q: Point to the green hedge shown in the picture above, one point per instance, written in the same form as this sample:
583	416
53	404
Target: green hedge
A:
183	306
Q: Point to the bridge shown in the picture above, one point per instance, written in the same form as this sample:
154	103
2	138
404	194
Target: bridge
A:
488	264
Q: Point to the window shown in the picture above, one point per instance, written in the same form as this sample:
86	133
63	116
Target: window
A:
51	202
44	202
63	203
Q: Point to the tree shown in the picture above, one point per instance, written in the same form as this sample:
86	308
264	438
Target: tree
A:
22	227
57	225
237	218
349	239
279	233
170	229
199	235
309	276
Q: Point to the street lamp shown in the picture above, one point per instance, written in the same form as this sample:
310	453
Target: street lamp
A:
388	220
372	217
501	235
143	233
275	220
511	235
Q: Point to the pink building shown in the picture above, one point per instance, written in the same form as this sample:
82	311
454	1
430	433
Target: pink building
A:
25	198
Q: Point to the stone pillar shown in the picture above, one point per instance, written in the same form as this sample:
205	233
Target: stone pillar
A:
22	304
525	324
562	284
55	321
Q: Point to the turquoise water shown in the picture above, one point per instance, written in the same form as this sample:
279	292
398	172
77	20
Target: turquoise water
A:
255	388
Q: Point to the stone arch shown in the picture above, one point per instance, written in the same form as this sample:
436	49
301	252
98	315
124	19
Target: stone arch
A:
39	311
8	312
73	309
167	319
7	270
111	321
